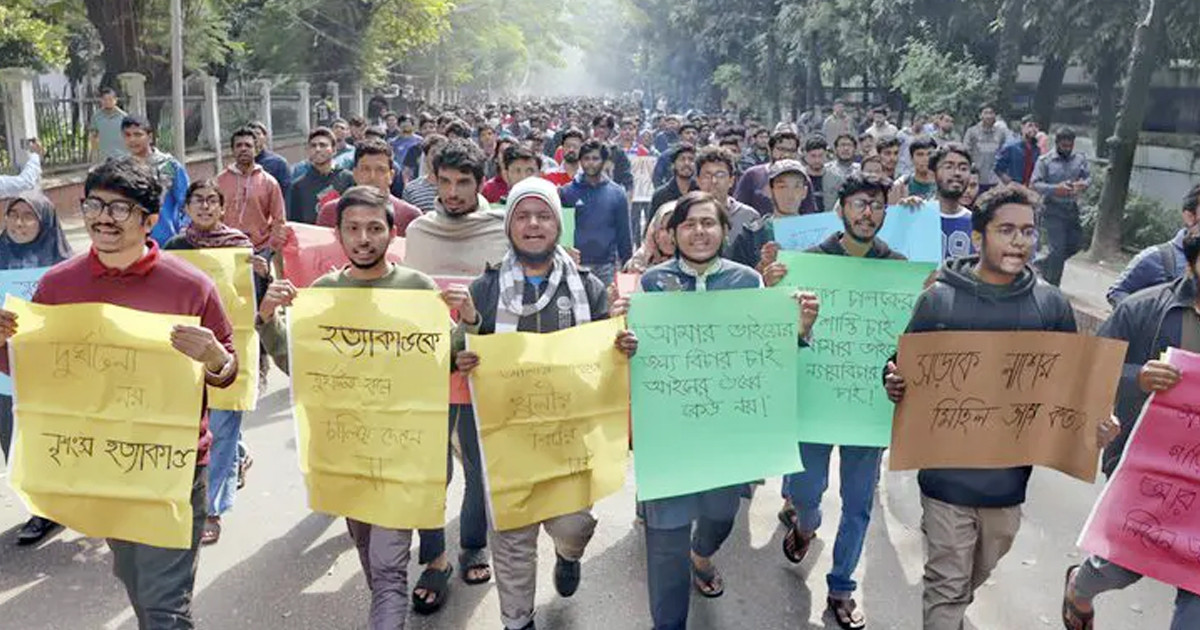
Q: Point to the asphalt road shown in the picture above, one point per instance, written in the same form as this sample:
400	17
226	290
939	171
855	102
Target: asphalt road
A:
278	565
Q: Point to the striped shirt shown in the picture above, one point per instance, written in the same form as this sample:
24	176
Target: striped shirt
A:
421	193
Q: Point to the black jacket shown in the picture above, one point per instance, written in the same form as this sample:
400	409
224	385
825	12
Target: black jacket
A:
669	192
958	300
1151	320
833	245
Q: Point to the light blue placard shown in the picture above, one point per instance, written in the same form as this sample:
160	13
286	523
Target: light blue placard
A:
914	232
19	283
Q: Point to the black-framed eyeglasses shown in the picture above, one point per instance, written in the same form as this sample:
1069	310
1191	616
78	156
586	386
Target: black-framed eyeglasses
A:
861	205
204	200
119	209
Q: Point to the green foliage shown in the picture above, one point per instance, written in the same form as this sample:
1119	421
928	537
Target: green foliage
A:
932	80
1145	221
28	40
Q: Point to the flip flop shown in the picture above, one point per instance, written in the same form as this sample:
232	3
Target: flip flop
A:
800	544
211	532
1072	617
432	581
473	561
708	579
846	613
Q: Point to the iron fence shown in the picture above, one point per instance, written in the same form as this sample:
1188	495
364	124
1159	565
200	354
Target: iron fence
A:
161	113
63	121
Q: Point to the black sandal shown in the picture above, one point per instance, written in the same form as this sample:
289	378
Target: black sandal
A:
1072	617
708	582
474	560
846	613
435	582
796	545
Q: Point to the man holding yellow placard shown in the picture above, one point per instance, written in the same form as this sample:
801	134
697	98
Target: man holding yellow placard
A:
365	228
538	289
125	268
227	260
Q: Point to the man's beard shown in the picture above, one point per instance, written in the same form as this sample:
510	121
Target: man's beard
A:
848	229
953	195
571	158
532	258
370	265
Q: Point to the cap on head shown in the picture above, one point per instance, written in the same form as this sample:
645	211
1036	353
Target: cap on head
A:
532	187
784	167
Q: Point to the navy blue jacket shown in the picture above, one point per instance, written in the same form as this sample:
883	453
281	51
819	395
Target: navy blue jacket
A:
274	164
1152	266
602	233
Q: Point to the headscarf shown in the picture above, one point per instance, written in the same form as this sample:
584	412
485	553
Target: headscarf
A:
511	306
648	253
49	247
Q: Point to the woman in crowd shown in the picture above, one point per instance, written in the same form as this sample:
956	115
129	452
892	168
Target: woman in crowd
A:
32	238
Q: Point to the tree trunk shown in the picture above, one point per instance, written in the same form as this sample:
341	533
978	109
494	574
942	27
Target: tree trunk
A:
1009	55
812	66
1045	99
1108	73
1147	50
772	59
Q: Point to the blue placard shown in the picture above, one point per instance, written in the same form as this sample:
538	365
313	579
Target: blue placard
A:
915	232
21	283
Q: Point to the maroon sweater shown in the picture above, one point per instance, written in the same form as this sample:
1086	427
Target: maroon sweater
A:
155	284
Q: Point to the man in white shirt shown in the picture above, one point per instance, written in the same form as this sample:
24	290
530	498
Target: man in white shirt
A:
31	174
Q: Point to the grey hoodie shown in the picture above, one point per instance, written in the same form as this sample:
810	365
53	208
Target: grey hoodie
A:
959	300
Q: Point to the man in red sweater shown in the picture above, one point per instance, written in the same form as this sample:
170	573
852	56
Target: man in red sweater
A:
373	166
124	267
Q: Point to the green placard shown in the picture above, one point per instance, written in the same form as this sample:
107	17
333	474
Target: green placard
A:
713	388
865	306
567	239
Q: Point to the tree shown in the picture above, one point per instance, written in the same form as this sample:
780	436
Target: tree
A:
934	81
28	39
1148	46
1009	56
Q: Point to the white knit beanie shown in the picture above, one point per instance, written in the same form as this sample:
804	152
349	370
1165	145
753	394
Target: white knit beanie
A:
533	187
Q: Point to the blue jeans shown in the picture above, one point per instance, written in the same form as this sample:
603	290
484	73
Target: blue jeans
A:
226	427
472	523
859	474
668	542
606	273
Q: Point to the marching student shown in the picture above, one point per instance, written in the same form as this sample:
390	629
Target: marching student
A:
536	288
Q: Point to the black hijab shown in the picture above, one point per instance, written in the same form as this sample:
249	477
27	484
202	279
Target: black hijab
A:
48	248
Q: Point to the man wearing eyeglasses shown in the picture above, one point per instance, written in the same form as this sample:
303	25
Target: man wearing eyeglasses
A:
714	175
861	204
125	268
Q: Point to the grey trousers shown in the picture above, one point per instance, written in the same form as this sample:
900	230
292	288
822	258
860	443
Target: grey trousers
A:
384	554
514	554
1097	575
159	581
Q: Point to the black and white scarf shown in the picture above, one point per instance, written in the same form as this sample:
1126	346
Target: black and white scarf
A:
512	307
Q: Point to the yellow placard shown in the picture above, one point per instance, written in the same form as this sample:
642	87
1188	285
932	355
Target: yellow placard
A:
370	397
553	417
107	417
230	269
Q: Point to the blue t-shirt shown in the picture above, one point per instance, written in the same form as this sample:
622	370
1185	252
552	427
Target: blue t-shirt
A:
956	235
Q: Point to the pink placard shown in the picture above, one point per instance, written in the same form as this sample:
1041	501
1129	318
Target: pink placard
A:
628	284
1147	520
460	392
312	251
